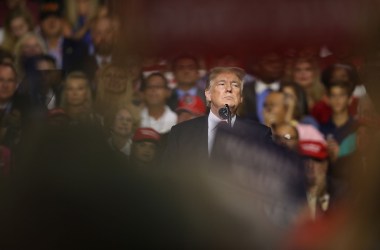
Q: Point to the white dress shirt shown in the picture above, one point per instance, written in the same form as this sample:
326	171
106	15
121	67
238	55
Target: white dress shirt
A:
161	125
261	86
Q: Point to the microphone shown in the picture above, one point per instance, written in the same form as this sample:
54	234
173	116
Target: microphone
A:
225	113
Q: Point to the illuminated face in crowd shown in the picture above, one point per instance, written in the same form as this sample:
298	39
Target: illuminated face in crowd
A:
339	99
226	88
123	123
31	47
103	36
52	26
304	74
76	92
155	92
186	72
144	151
8	84
274	108
19	27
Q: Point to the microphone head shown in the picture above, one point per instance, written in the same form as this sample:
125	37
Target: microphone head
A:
224	112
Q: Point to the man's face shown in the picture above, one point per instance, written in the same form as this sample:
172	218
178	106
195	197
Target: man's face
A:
156	92
145	151
52	26
19	27
304	74
7	84
226	88
123	123
31	47
339	99
76	92
103	36
186	72
270	68
274	109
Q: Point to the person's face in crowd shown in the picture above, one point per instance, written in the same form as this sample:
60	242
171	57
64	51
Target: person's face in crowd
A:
145	151
123	123
76	92
186	72
19	27
31	47
83	7
316	171
8	84
286	135
274	109
156	91
52	26
304	74
226	88
103	36
12	4
339	99
339	74
270	68
45	65
185	116
50	76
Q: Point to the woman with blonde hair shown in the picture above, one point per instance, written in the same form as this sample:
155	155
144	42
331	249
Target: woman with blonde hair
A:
76	99
123	123
306	73
28	46
18	23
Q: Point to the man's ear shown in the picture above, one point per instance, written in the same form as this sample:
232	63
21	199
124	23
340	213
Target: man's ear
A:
208	95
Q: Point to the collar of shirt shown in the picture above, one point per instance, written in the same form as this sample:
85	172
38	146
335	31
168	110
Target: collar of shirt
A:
192	92
214	120
261	86
99	59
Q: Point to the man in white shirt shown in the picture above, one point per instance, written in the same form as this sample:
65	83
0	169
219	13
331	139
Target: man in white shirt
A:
157	114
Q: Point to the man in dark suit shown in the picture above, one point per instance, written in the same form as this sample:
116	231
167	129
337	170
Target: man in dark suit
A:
103	35
191	142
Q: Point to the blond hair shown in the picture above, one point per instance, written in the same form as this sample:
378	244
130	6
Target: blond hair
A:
81	76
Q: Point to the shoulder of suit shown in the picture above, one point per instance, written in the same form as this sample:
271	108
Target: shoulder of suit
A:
252	123
193	123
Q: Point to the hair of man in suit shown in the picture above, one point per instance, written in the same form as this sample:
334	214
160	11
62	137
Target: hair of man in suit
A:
239	72
220	71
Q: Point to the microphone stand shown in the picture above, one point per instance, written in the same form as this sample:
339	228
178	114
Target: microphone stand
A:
225	113
229	117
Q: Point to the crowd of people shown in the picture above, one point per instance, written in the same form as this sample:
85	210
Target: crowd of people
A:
61	79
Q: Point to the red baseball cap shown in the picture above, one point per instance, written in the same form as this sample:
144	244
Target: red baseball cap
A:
192	104
313	149
146	134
